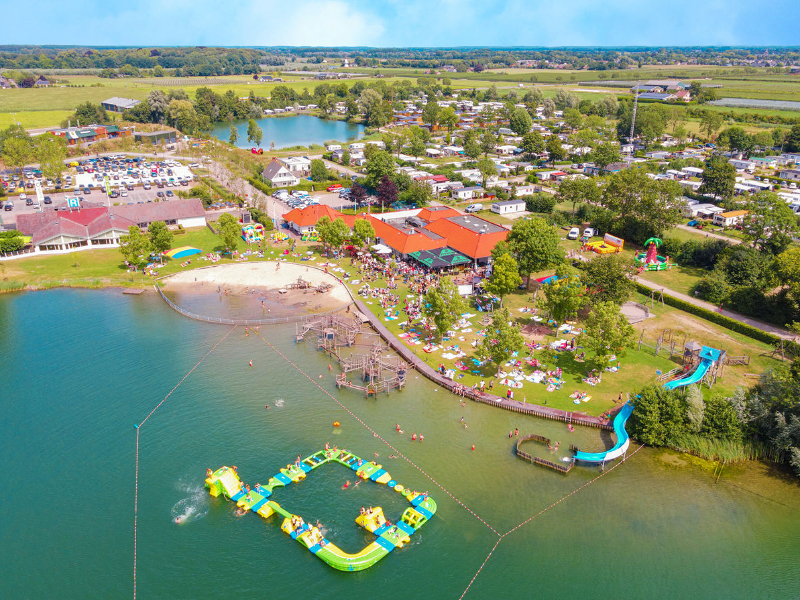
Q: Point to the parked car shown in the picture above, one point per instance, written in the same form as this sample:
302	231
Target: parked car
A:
160	194
48	200
335	186
474	208
169	193
9	206
573	233
589	232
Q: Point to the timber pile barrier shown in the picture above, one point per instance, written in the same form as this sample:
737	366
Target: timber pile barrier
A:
535	460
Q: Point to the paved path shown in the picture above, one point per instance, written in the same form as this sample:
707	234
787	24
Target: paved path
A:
710	234
783	333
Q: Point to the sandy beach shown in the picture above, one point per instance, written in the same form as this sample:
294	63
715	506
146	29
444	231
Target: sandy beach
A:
255	287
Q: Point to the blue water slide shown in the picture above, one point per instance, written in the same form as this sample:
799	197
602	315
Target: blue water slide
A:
623	441
694	377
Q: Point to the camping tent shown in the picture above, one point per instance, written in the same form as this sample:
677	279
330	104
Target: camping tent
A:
440	258
182	252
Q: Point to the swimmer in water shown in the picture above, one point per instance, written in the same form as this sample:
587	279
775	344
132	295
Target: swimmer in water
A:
346	485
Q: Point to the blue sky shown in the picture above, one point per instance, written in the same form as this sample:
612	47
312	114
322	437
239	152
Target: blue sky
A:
401	22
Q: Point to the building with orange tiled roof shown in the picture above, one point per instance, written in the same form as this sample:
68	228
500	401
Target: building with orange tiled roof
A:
470	235
303	220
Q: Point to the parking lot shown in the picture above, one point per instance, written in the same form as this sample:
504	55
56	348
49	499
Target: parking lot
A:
137	195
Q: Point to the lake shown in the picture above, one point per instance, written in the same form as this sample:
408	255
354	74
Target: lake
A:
81	367
296	130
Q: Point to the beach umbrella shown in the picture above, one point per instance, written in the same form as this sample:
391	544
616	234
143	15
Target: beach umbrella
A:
183	252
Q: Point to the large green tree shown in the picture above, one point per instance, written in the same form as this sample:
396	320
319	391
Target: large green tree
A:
17	152
160	237
607	332
319	172
443	305
379	165
554	148
520	121
652	206
719	178
505	277
574	191
233	135
50	151
533	144
254	133
770	223
363	232
332	234
609	278
230	232
710	122
135	246
535	245
501	340
605	154
564	296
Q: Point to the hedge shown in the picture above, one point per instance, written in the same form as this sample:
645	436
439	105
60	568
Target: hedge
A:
726	322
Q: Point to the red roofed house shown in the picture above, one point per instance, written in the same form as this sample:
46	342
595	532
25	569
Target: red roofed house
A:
470	235
95	225
303	220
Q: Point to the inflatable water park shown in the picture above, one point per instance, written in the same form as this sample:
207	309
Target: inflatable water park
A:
651	260
389	535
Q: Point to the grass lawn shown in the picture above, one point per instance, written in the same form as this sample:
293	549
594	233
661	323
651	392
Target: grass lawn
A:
678	278
684	235
99	268
687	327
34	119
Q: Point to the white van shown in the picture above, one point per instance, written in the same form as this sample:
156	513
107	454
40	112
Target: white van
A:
573	233
473	208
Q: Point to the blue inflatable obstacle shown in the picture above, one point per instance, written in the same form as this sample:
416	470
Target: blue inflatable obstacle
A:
708	356
623	441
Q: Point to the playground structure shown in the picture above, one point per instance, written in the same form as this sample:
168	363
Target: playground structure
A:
608	245
379	370
310	236
702	364
651	260
225	482
252	232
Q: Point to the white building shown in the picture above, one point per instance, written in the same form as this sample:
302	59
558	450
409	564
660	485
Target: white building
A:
508	206
279	176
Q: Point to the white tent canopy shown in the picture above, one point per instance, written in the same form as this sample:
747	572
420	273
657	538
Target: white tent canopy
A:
381	249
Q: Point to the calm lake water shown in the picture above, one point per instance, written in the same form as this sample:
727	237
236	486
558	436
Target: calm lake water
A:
297	130
81	367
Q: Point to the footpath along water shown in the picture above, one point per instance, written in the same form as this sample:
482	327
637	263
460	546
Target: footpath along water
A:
80	367
297	130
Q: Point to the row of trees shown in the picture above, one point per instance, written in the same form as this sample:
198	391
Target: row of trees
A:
18	149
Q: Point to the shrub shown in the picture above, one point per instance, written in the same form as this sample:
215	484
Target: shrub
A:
713	288
540	203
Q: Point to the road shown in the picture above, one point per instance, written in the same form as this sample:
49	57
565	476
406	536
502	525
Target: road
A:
783	333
